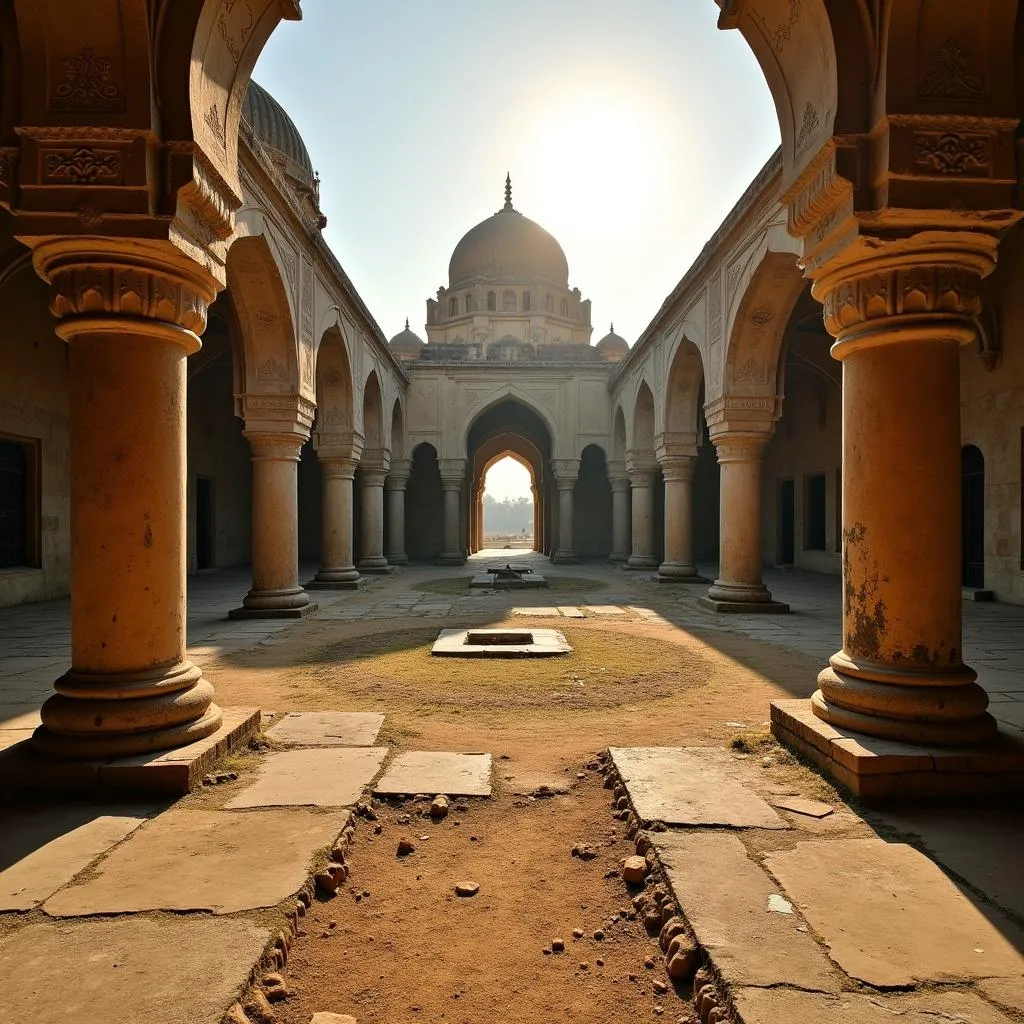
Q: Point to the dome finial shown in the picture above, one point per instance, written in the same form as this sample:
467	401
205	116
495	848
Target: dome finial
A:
611	328
407	323
508	191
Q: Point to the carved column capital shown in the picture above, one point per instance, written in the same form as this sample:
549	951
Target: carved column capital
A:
333	467
740	447
898	296
120	286
453	473
275	447
398	475
678	467
566	472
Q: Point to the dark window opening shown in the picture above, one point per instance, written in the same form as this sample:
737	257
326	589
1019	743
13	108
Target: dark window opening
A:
972	491
19	503
526	302
492	302
204	523
814	513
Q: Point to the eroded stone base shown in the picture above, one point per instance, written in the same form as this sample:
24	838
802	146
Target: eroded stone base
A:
23	769
336	584
273	613
709	604
878	769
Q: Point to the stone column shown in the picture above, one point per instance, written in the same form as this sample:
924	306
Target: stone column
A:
373	471
394	487
275	592
453	474
338	570
538	524
642	475
620	512
898	324
739	586
566	474
678	566
130	319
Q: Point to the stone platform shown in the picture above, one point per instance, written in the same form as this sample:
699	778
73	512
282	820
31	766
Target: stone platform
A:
877	769
500	643
273	613
709	604
171	772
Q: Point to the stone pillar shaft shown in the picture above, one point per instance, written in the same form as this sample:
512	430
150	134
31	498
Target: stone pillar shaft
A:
336	555
275	587
130	326
642	482
566	550
620	519
900	673
452	516
394	488
371	526
678	562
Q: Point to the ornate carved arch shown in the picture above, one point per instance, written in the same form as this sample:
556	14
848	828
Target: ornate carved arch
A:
499	395
685	375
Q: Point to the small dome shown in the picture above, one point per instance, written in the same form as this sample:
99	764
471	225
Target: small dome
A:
276	130
612	347
508	246
407	344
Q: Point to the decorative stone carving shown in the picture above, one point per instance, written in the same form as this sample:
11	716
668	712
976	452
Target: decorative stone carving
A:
808	128
953	152
751	372
952	76
784	30
97	282
950	290
271	369
87	85
743	448
82	166
761	317
279	448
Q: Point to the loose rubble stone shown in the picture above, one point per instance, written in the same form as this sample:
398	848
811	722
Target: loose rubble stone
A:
649	963
577	933
682	956
669	930
405	847
598	935
558	945
439	807
327	883
660	987
467	889
634	870
258	1010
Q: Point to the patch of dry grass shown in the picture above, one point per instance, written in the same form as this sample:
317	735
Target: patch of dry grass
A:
397	671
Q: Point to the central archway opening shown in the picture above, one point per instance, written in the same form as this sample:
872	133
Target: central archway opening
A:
507	504
510	429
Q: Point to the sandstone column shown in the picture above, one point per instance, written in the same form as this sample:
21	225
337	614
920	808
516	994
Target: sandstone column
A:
538	523
739	586
394	487
373	471
899	320
566	475
453	473
678	566
130	318
642	475
338	570
620	512
276	591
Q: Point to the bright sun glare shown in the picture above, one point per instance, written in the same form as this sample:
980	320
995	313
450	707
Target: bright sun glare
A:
507	478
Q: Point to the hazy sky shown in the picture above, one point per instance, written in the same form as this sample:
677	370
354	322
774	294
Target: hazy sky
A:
629	131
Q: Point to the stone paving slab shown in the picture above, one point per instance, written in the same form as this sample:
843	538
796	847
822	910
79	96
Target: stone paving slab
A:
327	728
1008	992
424	771
868	899
983	845
725	897
43	848
466	643
782	1006
605	609
312	777
691	786
571	612
136	970
540	612
203	860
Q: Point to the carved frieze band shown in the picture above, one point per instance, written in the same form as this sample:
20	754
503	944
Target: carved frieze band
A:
275	447
740	449
677	468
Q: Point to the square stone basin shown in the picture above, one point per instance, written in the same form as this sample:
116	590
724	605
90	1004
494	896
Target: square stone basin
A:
500	643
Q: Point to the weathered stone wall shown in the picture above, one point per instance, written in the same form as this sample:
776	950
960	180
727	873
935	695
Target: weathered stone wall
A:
34	405
807	441
992	417
217	450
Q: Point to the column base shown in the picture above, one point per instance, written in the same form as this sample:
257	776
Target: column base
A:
397	558
375	565
353	583
25	769
878	769
343	574
564	558
451	558
292	603
641	562
115	714
617	556
679	572
769	607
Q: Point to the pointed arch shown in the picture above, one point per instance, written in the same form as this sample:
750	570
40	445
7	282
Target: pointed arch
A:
619	434
505	392
264	317
397	430
373	413
643	419
683	389
334	390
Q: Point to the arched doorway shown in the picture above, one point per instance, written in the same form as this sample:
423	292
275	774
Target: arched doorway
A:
508	519
592	531
972	496
511	428
424	526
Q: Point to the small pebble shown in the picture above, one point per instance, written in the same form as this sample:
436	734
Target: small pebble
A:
558	945
467	889
405	847
598	935
584	966
660	987
649	964
577	933
599	962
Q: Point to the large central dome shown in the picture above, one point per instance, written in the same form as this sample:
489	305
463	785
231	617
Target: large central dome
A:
508	247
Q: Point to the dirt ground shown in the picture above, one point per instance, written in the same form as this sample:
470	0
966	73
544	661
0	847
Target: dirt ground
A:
397	945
